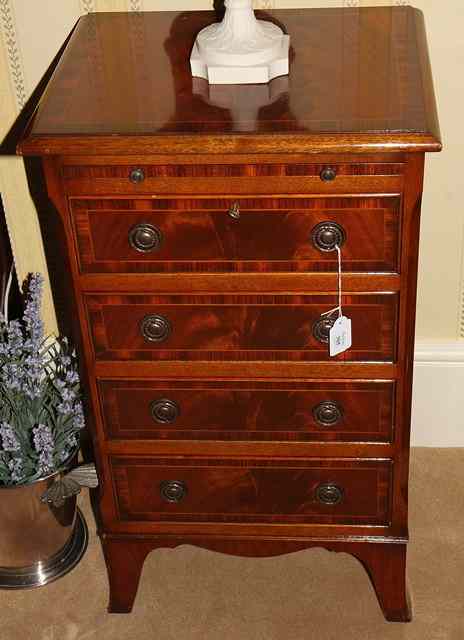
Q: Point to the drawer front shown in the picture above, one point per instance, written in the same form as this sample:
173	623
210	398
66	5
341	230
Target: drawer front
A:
338	177
248	410
233	328
242	234
272	491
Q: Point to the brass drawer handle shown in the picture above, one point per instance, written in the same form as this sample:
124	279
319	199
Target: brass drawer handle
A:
136	176
165	411
145	238
234	211
155	328
173	490
328	413
329	494
328	174
328	235
322	327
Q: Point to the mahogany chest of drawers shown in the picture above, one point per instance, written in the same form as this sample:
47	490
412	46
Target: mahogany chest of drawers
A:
201	226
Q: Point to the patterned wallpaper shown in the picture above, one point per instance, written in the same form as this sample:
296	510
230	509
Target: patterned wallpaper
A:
87	6
8	27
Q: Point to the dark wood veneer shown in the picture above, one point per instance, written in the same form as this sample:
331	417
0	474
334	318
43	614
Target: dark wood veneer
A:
270	491
240	361
370	89
385	563
248	410
271	234
227	170
229	327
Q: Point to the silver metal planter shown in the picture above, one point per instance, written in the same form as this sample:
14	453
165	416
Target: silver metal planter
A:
42	533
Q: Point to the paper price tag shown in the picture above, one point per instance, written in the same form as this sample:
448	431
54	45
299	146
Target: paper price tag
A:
340	336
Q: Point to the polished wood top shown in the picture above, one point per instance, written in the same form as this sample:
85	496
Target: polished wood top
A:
359	80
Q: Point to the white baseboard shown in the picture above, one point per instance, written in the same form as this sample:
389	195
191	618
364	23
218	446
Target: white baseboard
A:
438	398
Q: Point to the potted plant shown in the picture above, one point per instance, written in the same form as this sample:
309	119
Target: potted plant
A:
42	534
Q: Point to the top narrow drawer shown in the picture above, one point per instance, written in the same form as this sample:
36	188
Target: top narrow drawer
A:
317	178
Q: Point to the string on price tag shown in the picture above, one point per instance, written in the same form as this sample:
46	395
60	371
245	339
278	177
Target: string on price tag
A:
340	339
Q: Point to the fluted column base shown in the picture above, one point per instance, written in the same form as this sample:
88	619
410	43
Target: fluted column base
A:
240	49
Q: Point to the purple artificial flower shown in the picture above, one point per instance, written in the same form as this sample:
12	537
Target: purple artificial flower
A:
68	395
78	416
65	408
42	381
72	377
10	442
70	446
32	319
70	406
59	384
44	444
15	466
12	376
65	361
12	372
32	383
13	346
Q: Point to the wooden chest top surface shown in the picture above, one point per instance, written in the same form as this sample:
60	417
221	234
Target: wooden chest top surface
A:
359	80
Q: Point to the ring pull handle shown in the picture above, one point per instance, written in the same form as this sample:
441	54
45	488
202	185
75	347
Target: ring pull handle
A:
234	211
165	411
326	236
145	238
173	490
328	174
137	175
322	327
329	494
155	328
328	413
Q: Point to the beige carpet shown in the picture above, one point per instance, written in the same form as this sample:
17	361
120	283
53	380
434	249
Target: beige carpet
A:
191	594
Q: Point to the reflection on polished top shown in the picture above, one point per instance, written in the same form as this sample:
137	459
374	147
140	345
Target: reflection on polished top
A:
353	71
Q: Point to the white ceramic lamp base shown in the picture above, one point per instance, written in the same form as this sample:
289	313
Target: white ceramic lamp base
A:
240	49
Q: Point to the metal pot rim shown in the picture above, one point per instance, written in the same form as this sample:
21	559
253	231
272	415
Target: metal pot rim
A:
64	467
